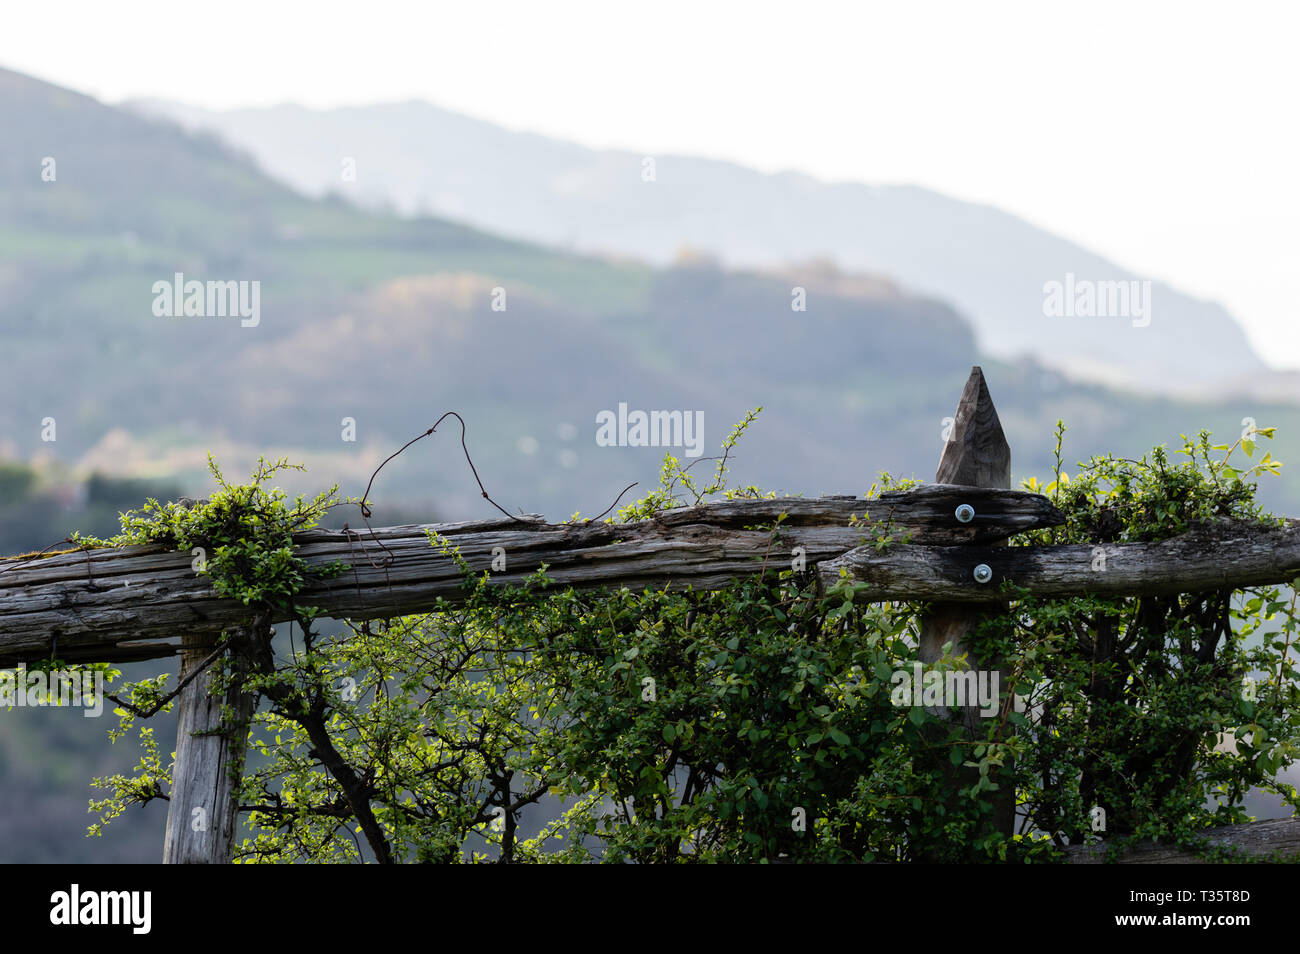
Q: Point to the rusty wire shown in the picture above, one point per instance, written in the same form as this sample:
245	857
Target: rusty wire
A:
362	504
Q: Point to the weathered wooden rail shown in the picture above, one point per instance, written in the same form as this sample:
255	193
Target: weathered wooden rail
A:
102	602
1256	840
947	549
1229	556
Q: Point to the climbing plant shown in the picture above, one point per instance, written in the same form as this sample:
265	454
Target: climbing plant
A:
752	723
1155	714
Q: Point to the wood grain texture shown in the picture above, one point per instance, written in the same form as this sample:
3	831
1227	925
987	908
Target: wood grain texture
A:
95	601
1227	556
977	454
202	814
1255	839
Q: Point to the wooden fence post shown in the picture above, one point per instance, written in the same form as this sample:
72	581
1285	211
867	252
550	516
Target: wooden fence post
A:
203	814
975	455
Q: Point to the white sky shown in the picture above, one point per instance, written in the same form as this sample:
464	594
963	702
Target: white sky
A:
1163	135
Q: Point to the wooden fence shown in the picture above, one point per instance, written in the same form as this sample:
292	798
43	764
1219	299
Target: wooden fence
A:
133	603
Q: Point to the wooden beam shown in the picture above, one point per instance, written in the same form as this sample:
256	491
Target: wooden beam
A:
1259	840
976	454
124	652
203	811
92	600
1226	556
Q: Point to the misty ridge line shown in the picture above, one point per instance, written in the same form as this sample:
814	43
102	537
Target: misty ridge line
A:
583	200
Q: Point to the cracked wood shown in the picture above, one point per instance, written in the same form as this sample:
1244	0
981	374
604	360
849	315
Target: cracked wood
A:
91	601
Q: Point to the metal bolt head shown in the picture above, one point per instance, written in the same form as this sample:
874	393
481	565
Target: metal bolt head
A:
965	513
983	573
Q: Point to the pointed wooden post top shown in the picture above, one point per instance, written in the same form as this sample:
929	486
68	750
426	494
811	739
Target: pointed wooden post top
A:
977	453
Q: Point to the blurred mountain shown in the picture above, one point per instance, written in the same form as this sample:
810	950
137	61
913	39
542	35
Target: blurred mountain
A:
418	159
389	322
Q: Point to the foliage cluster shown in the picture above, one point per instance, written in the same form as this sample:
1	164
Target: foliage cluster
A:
752	723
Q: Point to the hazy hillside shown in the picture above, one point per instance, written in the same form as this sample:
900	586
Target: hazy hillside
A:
992	266
383	320
389	321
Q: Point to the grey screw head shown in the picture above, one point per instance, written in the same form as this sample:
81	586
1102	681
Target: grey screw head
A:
965	513
983	573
